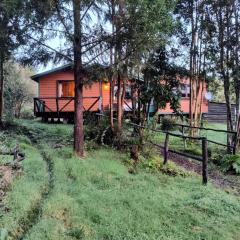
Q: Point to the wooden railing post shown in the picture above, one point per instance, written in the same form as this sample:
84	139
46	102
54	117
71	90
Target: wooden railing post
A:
204	161
57	105
43	106
34	105
166	149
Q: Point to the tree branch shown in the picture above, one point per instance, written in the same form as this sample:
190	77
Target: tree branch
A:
84	14
52	49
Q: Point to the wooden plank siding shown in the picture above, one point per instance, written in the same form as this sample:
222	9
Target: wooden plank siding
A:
48	88
217	112
185	101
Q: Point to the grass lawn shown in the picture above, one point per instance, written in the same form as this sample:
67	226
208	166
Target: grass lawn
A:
96	198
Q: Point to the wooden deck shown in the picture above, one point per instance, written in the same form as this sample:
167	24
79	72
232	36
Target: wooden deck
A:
60	109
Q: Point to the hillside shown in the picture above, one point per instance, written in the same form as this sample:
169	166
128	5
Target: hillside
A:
57	196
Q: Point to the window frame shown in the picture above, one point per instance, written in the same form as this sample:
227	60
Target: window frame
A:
186	94
57	89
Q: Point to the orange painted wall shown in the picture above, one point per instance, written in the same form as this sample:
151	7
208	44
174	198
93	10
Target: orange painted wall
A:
185	100
48	88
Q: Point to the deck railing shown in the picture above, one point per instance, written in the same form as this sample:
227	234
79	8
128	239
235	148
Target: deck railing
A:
41	105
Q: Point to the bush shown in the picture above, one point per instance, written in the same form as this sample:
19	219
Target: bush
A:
171	169
230	163
168	124
27	114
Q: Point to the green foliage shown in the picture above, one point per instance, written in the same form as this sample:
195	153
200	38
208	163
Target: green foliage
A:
27	114
160	85
91	145
168	124
230	163
18	90
99	131
155	163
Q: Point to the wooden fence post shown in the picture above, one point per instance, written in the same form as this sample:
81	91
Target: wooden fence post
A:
235	143
166	149
184	139
204	161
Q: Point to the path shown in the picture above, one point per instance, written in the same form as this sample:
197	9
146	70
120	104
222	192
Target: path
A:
226	181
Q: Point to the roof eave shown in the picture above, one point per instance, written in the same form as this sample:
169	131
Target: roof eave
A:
37	77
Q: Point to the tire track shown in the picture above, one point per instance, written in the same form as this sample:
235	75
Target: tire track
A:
34	215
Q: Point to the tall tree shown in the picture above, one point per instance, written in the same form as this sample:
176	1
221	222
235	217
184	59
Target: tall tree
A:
16	19
8	26
194	37
140	26
223	27
85	40
161	84
78	76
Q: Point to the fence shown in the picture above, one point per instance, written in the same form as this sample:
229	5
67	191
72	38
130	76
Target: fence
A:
233	133
166	149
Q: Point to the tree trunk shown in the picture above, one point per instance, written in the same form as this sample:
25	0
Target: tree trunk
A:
111	102
196	67
119	103
78	78
192	67
224	62
112	80
120	71
237	75
1	88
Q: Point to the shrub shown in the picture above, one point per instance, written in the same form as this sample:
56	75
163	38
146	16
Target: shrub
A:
171	169
168	124
91	145
93	129
230	163
27	114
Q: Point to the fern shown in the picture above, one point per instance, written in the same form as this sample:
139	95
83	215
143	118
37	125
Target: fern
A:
230	163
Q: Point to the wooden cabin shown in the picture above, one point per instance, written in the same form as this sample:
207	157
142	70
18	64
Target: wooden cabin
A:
56	95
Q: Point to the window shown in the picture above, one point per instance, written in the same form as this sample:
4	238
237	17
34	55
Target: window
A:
66	89
185	90
128	92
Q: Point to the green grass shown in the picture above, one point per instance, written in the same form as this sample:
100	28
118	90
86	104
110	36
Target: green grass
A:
220	137
96	198
176	143
25	193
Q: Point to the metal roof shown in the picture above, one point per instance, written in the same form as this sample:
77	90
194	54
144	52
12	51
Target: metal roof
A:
69	66
65	67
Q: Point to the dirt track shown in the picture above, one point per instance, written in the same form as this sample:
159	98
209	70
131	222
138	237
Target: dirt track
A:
231	183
